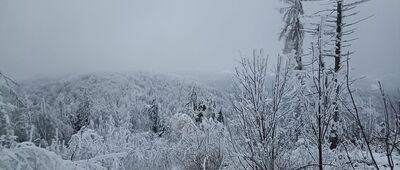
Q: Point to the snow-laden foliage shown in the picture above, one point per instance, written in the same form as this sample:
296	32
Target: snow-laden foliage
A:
172	124
11	119
26	156
124	121
112	98
85	144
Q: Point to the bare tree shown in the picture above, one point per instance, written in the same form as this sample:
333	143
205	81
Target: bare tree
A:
355	112
324	86
320	96
255	137
340	11
392	125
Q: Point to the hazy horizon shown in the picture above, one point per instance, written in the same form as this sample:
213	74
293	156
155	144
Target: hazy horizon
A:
54	38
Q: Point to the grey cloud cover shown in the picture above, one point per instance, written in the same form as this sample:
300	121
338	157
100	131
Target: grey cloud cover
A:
51	37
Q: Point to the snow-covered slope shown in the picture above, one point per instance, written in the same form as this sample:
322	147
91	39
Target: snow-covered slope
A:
124	96
113	120
26	156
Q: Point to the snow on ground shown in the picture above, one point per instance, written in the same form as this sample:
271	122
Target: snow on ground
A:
26	156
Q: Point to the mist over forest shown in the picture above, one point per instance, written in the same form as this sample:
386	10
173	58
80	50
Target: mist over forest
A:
207	85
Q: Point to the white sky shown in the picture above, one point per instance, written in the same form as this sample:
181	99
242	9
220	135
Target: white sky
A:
55	37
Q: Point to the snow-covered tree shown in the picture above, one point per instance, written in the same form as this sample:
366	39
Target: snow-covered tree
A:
9	104
256	131
293	31
81	117
85	144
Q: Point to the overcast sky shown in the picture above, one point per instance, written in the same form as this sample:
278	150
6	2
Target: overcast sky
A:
55	37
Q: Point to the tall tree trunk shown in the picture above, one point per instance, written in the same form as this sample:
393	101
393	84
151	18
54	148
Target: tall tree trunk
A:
321	70
334	138
339	26
298	45
320	136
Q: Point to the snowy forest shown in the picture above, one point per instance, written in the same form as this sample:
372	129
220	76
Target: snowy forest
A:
301	109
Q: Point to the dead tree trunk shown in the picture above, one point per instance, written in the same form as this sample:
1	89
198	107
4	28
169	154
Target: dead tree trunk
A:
334	138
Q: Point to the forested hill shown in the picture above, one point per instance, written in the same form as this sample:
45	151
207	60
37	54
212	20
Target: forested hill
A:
108	115
123	97
148	121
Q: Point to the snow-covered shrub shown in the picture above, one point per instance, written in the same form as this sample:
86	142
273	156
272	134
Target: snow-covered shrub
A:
198	146
85	144
26	156
148	151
